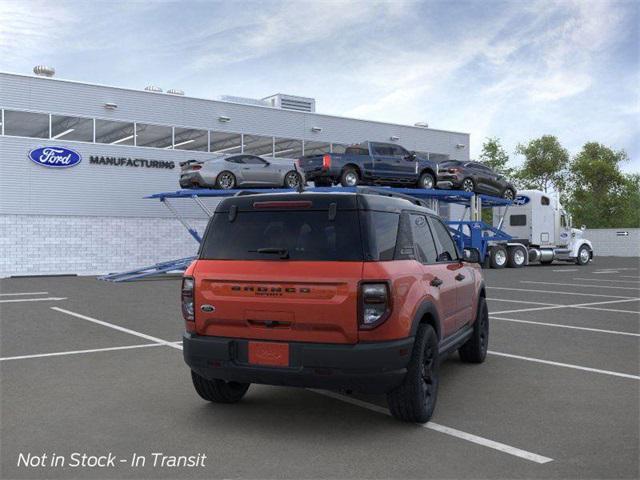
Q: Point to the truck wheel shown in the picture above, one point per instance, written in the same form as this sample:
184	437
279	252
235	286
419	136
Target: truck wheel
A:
218	391
474	350
415	400
584	255
498	256
517	257
427	181
349	177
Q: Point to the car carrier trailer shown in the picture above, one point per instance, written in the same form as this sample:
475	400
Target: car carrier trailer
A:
496	247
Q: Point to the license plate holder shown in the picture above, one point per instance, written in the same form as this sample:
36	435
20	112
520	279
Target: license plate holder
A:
269	354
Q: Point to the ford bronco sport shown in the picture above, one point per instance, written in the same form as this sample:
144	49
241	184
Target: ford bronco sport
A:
344	291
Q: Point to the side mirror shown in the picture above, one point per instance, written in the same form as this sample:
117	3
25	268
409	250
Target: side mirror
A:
471	255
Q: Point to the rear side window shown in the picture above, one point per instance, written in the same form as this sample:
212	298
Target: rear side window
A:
304	235
518	220
447	251
425	248
381	235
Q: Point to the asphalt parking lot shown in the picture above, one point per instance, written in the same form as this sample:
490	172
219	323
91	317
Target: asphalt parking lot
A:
94	367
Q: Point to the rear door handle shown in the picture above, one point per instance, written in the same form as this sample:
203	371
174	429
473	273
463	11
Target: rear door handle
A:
436	282
460	277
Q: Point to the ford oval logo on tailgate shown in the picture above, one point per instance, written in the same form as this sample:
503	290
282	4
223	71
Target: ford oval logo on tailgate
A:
55	157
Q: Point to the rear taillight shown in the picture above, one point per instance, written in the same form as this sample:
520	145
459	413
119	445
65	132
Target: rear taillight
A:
187	298
326	161
454	170
375	304
196	167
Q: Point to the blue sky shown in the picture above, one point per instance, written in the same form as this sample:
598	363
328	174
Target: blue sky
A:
515	70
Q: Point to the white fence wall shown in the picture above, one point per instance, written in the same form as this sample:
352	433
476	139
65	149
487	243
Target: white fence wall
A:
613	241
50	244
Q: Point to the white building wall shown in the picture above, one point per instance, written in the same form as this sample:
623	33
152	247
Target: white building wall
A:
613	242
51	244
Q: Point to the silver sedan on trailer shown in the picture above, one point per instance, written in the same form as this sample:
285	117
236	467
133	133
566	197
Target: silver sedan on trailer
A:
240	170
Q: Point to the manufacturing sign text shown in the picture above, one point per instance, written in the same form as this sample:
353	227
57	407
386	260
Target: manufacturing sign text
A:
55	157
130	162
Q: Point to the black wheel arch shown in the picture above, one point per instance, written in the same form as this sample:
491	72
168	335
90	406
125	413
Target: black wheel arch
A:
355	166
427	313
429	170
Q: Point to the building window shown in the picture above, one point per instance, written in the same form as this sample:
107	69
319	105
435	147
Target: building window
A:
258	145
316	148
225	143
190	139
26	124
338	147
157	136
287	148
114	133
71	128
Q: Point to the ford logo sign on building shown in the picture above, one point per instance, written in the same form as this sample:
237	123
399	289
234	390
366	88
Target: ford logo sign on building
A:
55	157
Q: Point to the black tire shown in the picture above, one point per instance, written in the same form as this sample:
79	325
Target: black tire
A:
508	194
226	180
475	349
415	399
517	257
468	185
498	256
289	179
584	255
218	391
427	181
349	177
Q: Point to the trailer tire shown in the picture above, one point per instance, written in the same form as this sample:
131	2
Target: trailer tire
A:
498	256
517	257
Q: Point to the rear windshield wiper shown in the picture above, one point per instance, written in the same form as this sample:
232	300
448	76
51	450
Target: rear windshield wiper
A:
283	252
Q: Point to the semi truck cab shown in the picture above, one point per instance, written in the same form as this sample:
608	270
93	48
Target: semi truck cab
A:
538	222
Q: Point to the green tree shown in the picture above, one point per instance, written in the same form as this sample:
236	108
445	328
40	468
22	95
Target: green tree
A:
495	157
600	194
545	164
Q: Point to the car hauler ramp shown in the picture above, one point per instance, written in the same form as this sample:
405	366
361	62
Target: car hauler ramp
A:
472	233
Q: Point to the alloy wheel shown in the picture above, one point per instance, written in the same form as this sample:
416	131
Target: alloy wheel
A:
467	185
351	179
292	180
508	194
226	181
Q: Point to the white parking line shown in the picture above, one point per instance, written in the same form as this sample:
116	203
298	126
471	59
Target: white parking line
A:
118	327
23	293
566	365
76	352
47	299
599	330
521	301
606	280
566	270
629	276
577	305
580	285
485	442
560	293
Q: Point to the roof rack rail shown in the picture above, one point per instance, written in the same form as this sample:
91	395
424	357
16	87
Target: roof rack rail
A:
388	193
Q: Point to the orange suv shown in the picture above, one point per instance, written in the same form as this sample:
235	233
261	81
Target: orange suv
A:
360	291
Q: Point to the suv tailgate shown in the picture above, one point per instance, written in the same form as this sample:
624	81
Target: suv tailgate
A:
274	300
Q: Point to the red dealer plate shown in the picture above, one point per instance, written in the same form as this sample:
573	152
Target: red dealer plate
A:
269	353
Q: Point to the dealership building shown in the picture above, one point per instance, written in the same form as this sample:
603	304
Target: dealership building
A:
91	217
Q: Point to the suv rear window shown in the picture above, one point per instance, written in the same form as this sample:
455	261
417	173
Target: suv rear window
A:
304	234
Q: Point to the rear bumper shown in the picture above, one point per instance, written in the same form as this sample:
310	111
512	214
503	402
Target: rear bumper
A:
365	367
192	180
